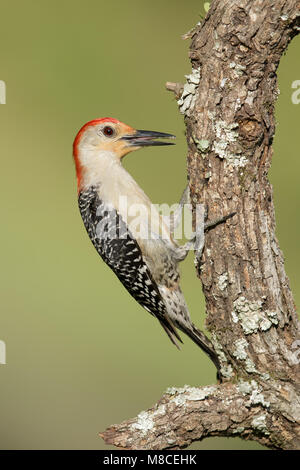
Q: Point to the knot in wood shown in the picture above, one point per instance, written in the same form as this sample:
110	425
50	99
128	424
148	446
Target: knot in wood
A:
250	129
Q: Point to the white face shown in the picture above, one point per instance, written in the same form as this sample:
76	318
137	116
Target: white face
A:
105	136
103	142
115	137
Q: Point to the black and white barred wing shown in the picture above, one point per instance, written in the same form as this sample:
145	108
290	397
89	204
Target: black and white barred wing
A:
121	252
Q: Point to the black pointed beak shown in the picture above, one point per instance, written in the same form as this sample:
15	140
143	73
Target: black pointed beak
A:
146	138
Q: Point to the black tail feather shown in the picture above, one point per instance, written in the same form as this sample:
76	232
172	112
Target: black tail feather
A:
171	332
203	342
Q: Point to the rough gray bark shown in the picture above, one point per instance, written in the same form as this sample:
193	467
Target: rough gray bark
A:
228	104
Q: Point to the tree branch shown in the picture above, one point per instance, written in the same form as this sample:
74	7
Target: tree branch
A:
190	414
228	106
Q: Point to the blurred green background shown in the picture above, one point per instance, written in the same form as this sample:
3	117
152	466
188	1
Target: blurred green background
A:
81	354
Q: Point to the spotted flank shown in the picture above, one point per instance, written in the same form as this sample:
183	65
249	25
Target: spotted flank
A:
121	252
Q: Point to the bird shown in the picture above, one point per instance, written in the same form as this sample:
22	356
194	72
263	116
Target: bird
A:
140	250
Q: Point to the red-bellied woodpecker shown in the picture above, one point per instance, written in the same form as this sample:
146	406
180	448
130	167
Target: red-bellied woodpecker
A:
144	256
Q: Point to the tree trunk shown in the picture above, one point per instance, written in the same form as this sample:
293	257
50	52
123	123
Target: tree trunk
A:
228	104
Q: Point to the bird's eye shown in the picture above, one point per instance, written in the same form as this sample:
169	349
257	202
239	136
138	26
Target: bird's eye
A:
108	131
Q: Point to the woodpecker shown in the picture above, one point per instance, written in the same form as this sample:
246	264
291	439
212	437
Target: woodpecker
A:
144	256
